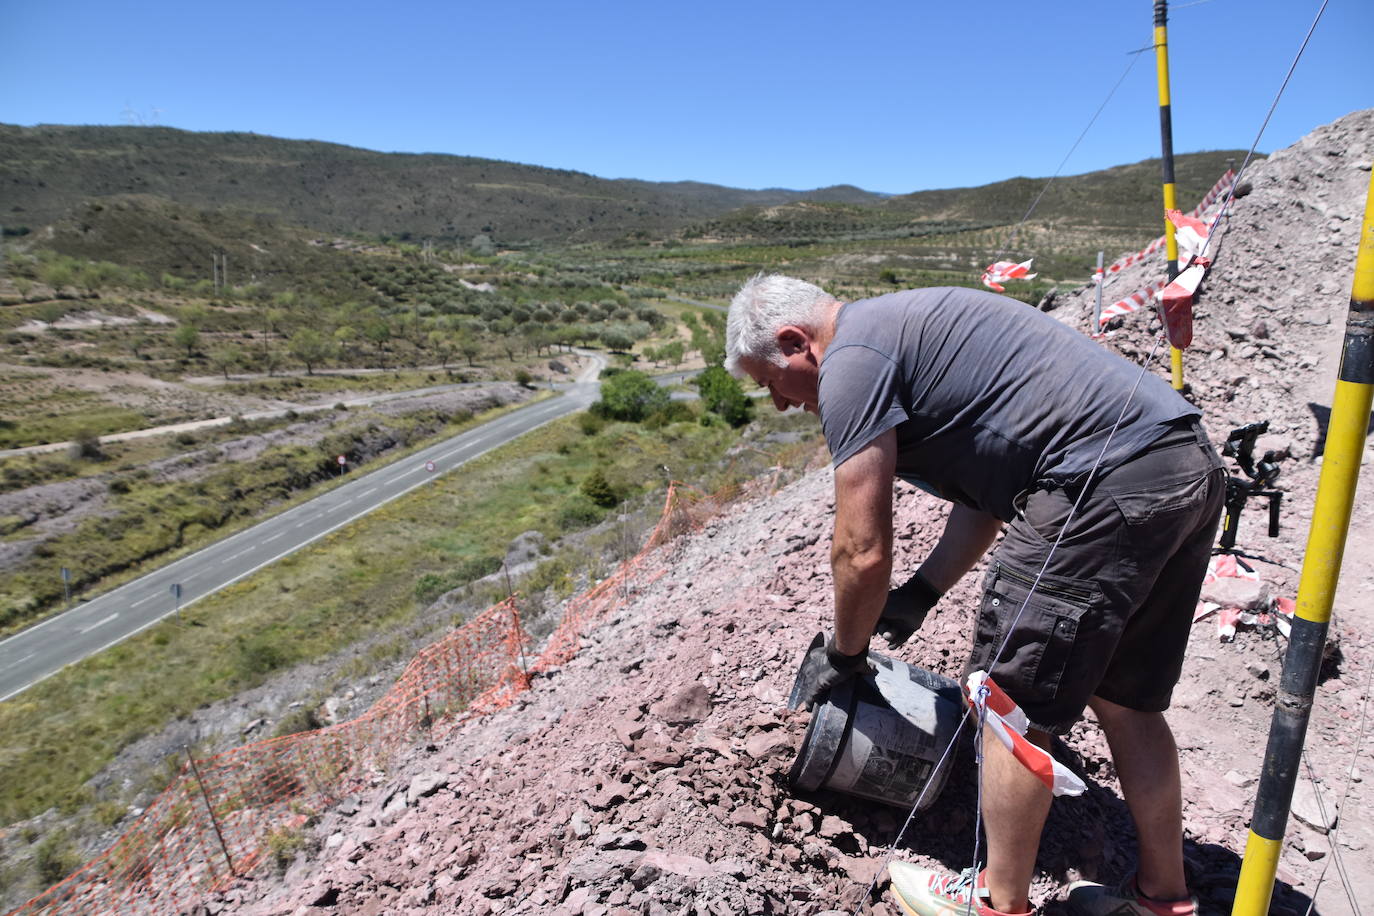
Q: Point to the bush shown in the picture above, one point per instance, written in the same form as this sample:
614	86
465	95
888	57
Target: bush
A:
630	396
259	655
578	512
284	844
86	446
54	859
599	490
672	412
590	423
721	394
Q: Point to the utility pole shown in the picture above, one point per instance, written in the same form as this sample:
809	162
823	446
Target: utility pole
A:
1166	142
1321	569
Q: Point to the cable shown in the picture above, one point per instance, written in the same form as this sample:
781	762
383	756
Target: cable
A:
1335	852
1230	192
1134	55
1345	794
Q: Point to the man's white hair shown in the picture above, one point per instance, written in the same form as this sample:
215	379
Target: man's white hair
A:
765	303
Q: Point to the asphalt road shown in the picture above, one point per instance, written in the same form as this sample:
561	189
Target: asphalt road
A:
92	626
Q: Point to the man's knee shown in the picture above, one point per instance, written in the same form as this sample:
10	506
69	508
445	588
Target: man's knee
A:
1113	716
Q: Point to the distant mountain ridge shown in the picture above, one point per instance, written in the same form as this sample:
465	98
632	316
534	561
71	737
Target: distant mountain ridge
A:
47	170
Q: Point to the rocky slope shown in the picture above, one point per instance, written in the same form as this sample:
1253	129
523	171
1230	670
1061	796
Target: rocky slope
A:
649	774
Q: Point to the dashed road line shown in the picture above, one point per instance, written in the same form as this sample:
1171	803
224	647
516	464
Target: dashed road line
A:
99	623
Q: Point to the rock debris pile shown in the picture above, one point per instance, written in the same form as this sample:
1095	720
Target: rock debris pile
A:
649	774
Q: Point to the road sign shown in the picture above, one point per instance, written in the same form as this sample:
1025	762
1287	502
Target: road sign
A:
343	459
176	590
429	465
66	574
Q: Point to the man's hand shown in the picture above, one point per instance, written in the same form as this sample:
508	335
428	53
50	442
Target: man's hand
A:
905	610
825	668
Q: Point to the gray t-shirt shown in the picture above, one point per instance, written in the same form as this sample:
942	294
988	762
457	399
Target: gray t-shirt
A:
989	397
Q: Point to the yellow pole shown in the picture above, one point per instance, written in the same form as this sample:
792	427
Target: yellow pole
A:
1166	141
1321	569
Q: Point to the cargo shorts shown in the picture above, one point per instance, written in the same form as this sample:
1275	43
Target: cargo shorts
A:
1111	613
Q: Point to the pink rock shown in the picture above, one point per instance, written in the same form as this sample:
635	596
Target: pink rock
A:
1246	594
767	743
678	864
833	828
749	817
685	707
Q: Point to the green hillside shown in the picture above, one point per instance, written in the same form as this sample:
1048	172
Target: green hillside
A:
1124	200
48	170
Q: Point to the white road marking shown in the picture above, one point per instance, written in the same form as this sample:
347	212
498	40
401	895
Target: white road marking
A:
239	554
272	538
367	492
143	600
99	623
20	661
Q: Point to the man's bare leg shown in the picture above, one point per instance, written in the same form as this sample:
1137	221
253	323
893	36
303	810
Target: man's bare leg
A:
1015	805
1146	760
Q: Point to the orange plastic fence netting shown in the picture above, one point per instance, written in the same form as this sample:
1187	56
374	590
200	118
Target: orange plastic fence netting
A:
216	819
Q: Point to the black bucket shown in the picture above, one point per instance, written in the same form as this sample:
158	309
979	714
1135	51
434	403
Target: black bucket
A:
881	737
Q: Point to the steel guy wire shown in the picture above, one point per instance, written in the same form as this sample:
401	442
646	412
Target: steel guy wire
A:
1335	851
1345	793
1235	183
1135	55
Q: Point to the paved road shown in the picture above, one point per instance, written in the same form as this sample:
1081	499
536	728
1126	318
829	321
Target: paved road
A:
45	648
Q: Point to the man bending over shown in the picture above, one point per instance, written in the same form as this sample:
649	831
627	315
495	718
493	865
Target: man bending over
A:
1005	413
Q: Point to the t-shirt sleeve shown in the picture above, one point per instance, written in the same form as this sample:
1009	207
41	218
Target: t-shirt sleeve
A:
859	399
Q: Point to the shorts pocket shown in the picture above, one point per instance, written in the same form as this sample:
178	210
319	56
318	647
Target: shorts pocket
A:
1142	507
1032	664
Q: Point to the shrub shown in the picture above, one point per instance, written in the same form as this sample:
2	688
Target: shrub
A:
672	412
284	844
54	858
599	490
631	396
86	445
578	512
721	394
590	423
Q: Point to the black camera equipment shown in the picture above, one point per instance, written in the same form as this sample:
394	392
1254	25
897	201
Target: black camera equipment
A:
1240	445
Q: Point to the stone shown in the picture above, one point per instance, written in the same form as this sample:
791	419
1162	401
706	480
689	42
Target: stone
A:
749	817
602	865
1246	594
580	828
684	707
832	827
424	785
678	864
767	743
1313	807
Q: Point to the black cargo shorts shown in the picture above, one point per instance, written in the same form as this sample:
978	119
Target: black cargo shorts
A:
1111	614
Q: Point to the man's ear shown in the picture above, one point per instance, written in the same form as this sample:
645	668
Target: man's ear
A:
793	340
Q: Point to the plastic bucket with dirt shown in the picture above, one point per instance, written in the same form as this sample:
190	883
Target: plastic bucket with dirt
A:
881	737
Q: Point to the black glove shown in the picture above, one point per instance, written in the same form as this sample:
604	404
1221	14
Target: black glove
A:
824	668
906	609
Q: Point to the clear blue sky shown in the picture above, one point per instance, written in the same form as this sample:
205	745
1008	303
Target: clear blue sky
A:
890	96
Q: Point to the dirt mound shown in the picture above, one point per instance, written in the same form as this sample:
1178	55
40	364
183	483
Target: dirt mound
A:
648	775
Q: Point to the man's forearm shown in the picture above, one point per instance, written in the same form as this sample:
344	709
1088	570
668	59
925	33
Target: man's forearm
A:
861	584
967	536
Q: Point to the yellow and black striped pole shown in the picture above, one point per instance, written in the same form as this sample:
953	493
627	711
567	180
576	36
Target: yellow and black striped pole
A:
1321	569
1166	142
